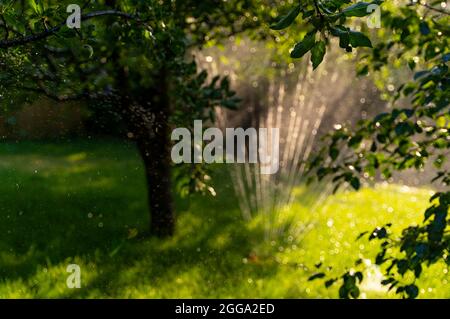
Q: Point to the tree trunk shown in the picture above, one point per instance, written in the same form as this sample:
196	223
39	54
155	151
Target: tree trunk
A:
147	115
152	132
155	153
158	163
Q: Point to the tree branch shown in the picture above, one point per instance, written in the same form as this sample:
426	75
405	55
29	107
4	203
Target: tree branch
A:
316	6
434	8
39	36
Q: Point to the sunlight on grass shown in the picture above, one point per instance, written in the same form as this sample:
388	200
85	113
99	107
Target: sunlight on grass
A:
87	205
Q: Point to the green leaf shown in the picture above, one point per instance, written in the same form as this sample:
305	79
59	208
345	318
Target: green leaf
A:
343	292
343	33
316	276
424	28
402	266
344	40
317	53
33	5
333	152
287	19
418	270
354	292
379	232
446	57
303	46
358	39
355	141
412	291
379	259
355	183
329	282
357	10
388	281
361	235
404	129
360	276
37	7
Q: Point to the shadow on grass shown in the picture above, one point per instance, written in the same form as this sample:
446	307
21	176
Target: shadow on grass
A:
85	202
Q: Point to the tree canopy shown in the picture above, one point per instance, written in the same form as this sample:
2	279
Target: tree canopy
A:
129	58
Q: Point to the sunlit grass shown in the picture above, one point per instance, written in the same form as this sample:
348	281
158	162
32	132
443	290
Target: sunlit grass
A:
84	202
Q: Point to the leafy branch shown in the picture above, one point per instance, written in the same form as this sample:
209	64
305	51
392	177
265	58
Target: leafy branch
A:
403	138
8	43
326	18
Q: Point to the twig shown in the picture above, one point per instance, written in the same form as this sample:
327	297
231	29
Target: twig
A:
39	36
316	5
434	9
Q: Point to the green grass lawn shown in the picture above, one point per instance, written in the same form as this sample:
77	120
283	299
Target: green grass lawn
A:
84	202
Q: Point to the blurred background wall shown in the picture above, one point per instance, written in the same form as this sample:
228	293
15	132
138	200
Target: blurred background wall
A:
44	119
